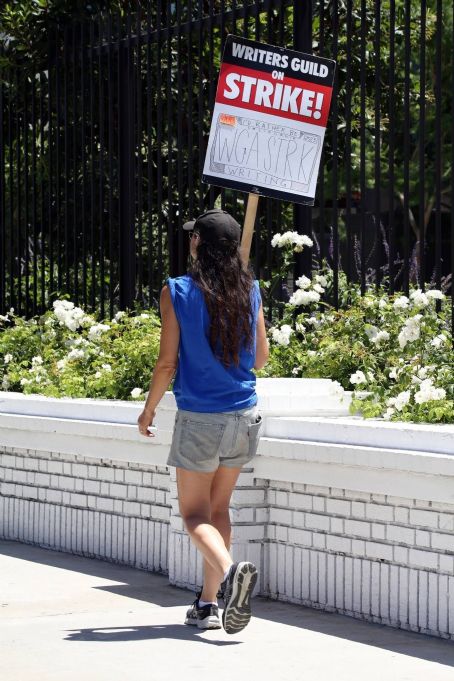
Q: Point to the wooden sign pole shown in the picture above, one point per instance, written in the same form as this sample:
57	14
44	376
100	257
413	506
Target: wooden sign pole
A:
248	228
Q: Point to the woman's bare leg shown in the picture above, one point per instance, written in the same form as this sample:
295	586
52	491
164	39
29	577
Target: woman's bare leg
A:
194	496
222	487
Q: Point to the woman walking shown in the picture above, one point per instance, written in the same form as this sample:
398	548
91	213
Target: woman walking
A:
213	335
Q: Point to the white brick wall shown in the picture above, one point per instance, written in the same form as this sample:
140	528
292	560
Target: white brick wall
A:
59	502
365	555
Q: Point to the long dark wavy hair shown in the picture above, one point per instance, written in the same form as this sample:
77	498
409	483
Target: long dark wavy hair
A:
226	287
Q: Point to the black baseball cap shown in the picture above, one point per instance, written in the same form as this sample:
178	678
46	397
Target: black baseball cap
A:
214	225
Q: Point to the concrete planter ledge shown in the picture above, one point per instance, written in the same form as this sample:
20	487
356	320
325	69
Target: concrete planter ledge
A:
339	513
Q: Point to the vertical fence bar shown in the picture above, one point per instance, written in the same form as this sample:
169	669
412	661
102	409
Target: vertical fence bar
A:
406	190
180	110
101	170
34	197
83	160
438	148
18	226
139	139
50	198
213	192
190	117
348	144
302	215
363	146
110	161
2	189
75	173
170	230
335	218
422	152
42	193
391	116
321	181
91	63
159	137
200	107
10	266
66	153
26	197
377	146
452	184
150	244
58	159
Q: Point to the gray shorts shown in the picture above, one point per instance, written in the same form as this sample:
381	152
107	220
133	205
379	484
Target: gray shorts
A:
203	441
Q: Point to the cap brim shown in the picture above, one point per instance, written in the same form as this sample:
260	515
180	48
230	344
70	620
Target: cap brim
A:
189	225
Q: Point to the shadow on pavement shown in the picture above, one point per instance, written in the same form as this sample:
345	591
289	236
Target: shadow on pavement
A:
128	633
153	588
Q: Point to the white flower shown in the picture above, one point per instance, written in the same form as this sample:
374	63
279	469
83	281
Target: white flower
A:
106	367
300	327
318	288
301	297
136	392
388	413
438	341
144	315
61	363
313	321
401	303
335	388
402	399
371	332
282	336
75	354
394	373
370	376
410	330
120	314
382	303
37	360
418	298
62	305
5	383
8	358
24	381
311	353
303	282
96	330
428	392
291	239
320	279
435	294
296	370
357	378
98	374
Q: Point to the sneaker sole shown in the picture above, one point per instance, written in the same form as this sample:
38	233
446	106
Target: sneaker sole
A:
237	611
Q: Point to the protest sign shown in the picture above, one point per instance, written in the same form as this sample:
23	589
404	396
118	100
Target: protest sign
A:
269	120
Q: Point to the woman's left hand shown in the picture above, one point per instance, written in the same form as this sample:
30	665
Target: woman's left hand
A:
146	419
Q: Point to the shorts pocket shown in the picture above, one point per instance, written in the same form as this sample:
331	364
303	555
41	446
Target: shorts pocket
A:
254	430
200	440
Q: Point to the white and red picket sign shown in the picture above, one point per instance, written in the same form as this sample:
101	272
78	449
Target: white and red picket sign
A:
269	120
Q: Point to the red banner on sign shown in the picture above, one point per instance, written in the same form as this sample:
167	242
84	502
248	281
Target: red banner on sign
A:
286	97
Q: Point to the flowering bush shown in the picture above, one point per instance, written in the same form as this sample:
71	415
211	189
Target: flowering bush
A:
395	353
66	352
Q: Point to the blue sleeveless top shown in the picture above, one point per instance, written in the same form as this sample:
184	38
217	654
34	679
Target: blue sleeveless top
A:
202	383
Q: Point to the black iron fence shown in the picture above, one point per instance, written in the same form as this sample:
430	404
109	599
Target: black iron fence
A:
102	148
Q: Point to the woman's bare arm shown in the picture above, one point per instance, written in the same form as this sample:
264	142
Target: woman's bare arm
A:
167	361
262	349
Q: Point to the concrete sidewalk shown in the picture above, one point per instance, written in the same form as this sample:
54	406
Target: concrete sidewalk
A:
67	618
